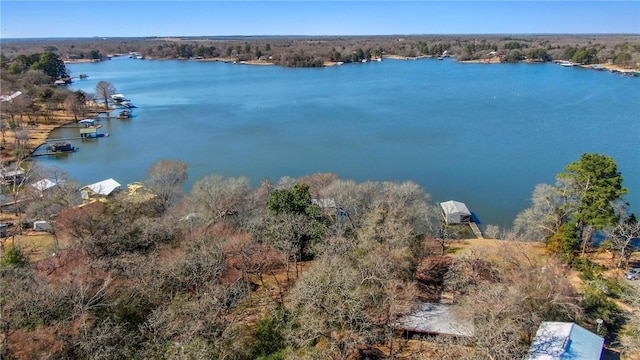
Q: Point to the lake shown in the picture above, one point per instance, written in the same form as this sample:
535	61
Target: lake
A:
483	134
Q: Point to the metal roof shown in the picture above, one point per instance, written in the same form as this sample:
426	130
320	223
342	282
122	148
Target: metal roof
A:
563	341
104	187
44	184
454	207
433	318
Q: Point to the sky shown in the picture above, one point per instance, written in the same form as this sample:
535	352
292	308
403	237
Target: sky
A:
125	18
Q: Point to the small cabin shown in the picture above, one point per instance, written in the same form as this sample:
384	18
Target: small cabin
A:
455	212
42	226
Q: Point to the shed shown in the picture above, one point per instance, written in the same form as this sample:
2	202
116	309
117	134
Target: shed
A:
455	212
102	188
565	340
42	226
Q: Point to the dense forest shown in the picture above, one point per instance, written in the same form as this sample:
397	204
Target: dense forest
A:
621	50
310	268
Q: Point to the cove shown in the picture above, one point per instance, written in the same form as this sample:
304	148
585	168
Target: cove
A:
477	133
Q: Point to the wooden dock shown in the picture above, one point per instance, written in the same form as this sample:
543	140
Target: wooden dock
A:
476	230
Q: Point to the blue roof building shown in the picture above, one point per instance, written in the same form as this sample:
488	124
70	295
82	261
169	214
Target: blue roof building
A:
565	341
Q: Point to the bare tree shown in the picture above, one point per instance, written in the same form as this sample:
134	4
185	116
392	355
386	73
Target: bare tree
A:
630	336
166	179
4	126
621	238
551	208
215	199
507	301
285	233
104	90
326	307
74	106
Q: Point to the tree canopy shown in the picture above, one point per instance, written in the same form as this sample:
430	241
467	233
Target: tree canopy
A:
51	64
596	187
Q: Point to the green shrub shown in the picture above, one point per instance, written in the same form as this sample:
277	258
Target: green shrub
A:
269	342
14	256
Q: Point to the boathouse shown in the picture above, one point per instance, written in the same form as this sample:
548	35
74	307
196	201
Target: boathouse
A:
455	212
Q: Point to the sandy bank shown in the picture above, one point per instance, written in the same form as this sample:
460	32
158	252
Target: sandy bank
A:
493	60
38	133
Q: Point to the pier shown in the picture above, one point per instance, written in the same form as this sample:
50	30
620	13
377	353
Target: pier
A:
476	230
455	212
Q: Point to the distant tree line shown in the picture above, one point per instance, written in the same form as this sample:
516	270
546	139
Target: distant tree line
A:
622	50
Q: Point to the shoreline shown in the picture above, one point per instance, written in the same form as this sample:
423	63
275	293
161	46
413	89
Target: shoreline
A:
492	60
38	135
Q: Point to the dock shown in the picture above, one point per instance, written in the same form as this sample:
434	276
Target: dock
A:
476	230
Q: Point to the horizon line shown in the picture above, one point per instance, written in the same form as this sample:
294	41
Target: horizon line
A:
309	35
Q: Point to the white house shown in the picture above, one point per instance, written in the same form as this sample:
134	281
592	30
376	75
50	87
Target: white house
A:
44	184
455	212
565	340
101	189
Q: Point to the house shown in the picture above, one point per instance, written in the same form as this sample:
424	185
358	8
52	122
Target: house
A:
436	319
10	97
13	176
455	212
103	188
565	340
44	184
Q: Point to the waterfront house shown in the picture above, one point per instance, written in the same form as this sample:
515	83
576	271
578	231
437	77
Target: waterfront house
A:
13	176
44	185
100	189
565	340
455	212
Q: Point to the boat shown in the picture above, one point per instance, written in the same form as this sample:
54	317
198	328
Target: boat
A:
124	114
94	135
118	98
567	63
61	147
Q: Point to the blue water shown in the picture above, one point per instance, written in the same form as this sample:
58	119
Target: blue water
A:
477	133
